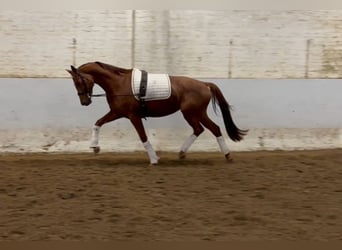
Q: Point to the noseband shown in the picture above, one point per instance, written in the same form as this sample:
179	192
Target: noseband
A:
86	91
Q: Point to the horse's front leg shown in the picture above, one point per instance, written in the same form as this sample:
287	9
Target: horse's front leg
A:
139	127
94	143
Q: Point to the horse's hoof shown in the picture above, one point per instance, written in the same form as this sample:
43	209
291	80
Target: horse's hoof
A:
181	155
96	150
228	158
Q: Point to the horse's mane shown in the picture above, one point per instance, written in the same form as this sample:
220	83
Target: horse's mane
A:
114	69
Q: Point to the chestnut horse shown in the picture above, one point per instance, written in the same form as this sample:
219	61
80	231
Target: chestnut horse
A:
188	95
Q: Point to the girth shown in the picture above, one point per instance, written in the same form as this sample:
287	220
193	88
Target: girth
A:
142	94
143	84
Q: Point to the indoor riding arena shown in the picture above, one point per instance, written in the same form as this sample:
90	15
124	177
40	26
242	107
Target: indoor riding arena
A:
279	71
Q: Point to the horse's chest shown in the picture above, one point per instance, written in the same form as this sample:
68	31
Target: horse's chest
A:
151	86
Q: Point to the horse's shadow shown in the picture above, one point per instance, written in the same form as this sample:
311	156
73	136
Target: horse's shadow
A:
140	162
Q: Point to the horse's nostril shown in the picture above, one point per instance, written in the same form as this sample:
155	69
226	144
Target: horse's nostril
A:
85	101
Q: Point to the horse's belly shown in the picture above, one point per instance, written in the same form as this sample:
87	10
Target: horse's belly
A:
161	108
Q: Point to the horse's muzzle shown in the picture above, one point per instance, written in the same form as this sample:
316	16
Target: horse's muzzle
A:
86	102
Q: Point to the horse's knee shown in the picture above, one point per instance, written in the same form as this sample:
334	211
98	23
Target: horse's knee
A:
143	138
198	130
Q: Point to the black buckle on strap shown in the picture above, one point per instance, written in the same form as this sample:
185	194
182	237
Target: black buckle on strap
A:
143	84
142	93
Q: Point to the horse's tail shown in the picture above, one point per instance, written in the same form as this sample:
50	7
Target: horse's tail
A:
233	131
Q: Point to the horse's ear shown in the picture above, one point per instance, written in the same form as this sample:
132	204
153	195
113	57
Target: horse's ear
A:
73	69
68	70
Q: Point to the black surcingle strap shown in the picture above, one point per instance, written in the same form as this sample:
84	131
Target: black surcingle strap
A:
142	93
143	84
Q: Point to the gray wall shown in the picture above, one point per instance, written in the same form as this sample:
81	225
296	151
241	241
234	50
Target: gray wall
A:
34	103
44	115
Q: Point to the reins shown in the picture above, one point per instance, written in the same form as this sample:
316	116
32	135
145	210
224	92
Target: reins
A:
87	92
101	95
98	95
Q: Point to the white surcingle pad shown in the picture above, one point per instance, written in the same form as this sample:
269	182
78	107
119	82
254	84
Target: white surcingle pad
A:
158	86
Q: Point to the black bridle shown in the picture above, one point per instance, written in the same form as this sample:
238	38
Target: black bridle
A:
86	91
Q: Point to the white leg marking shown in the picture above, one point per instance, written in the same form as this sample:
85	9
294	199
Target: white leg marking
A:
188	142
95	137
151	153
223	146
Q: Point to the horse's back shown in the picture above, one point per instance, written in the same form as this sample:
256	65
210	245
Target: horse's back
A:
186	86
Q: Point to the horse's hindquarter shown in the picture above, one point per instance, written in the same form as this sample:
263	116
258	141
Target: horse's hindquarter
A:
192	92
185	92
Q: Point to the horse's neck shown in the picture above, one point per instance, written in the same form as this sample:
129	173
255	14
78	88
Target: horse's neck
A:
108	80
110	83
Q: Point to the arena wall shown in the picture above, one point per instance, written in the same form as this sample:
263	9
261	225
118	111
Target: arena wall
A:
44	115
215	44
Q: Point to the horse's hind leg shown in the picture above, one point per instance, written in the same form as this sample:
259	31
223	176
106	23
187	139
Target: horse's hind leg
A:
215	129
198	129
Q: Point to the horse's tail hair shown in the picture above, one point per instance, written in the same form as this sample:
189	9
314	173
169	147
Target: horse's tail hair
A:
233	131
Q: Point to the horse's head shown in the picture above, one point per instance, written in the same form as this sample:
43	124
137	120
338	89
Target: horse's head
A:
84	84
